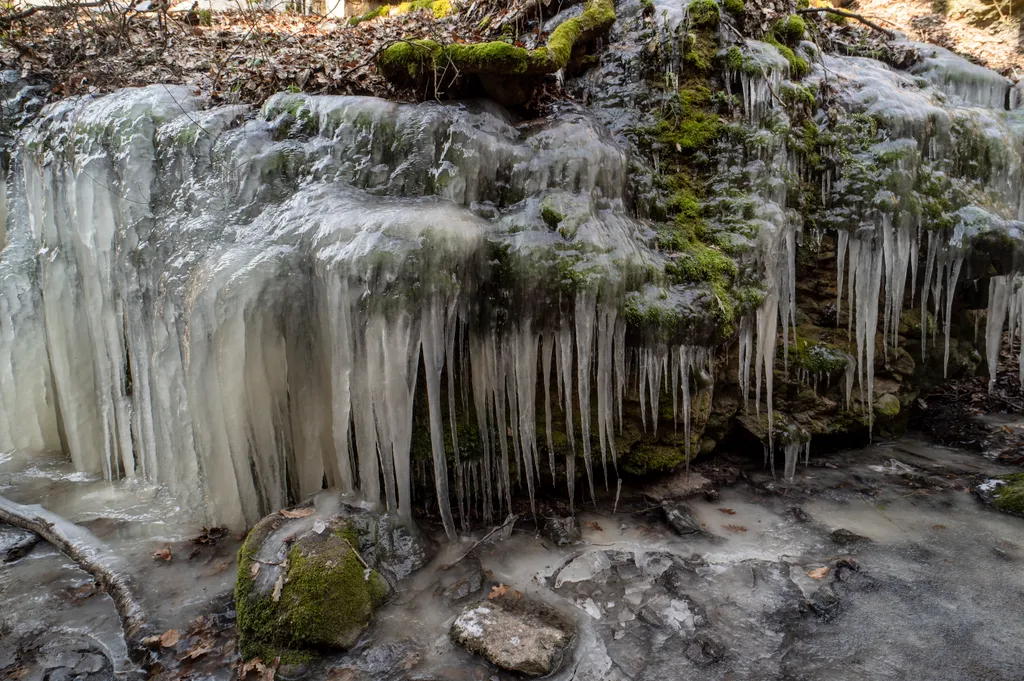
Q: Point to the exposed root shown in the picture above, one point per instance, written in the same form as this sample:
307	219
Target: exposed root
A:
92	556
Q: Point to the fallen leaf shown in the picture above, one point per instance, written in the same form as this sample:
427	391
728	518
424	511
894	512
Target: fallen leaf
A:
497	592
170	638
727	511
151	641
163	554
820	573
735	528
254	569
592	524
297	513
938	527
199	649
278	585
518	595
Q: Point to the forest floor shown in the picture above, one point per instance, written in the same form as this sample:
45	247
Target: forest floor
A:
998	46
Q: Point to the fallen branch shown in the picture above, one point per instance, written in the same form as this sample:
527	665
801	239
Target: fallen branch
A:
415	60
849	15
26	13
94	557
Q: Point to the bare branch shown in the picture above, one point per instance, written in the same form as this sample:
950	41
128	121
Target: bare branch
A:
849	15
26	13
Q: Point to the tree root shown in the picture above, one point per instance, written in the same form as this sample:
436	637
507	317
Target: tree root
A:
849	15
92	556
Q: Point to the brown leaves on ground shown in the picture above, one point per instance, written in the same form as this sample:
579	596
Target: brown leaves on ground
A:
735	528
242	56
298	512
819	573
592	524
170	638
257	670
497	591
163	554
727	511
210	536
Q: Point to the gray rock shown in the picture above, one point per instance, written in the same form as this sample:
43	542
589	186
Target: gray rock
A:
680	519
464	587
845	537
562	531
702	649
15	543
517	635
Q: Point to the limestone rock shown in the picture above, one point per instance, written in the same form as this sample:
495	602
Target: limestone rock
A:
312	579
517	635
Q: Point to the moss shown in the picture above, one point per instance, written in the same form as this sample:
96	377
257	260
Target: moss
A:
736	7
702	264
1010	496
414	59
798	67
690	127
205	17
734	59
326	600
648	7
550	215
818	358
794	96
703	14
440	9
790	30
887	406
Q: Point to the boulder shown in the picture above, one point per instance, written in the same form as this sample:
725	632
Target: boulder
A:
312	578
518	635
562	531
680	518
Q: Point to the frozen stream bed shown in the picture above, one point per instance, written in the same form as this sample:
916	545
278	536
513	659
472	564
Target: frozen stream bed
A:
924	581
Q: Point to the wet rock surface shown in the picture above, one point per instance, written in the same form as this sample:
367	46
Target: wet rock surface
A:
515	634
15	543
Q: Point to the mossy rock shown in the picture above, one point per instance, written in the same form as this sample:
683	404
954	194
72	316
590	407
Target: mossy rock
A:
887	406
299	591
1006	493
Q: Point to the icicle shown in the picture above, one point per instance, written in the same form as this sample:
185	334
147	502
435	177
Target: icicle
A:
999	290
565	341
746	342
933	244
954	276
605	421
549	347
843	241
585	317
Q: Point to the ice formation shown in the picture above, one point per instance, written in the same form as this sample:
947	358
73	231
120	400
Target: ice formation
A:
245	306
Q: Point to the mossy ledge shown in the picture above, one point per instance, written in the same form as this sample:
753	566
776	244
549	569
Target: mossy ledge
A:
440	9
411	61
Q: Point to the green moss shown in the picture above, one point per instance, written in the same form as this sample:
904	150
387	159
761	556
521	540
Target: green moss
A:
689	127
702	264
887	406
414	59
205	17
818	358
326	600
440	9
734	59
1010	497
794	96
703	14
790	30
736	7
550	215
798	67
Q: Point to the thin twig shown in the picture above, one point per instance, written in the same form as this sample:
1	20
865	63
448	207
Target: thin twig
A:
849	15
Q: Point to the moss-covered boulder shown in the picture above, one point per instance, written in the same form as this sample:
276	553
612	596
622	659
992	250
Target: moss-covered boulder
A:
311	580
1005	493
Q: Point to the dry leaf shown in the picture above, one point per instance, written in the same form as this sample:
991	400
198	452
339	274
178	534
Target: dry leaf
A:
735	528
163	554
254	569
151	641
820	573
170	638
518	595
592	524
497	592
297	513
199	649
727	511
278	585
938	527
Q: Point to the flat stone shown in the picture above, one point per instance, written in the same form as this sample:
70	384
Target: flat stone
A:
520	636
15	542
681	520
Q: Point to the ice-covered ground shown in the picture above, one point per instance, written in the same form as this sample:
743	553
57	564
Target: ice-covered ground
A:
934	597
